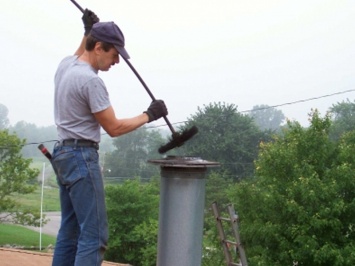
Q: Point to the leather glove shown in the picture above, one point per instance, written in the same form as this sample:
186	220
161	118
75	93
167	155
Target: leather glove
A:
156	110
89	18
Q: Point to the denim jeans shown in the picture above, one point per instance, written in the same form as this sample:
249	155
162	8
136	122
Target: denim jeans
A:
83	234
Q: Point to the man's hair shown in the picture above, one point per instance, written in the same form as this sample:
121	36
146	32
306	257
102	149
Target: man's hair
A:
91	42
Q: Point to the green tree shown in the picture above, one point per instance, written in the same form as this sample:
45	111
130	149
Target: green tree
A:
343	115
129	158
300	206
147	234
16	177
216	186
132	208
267	118
225	136
106	144
4	121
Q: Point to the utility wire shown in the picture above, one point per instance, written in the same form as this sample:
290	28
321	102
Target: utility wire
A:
277	105
299	101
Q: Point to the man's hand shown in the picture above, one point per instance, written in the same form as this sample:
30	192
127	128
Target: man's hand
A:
89	19
156	110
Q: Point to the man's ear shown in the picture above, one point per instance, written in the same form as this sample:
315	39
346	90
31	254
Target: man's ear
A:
98	47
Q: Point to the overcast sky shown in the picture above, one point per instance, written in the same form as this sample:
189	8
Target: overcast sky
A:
189	52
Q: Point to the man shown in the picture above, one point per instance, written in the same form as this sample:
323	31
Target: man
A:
82	107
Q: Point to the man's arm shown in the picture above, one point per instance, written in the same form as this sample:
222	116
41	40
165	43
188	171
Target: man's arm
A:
81	48
89	18
117	127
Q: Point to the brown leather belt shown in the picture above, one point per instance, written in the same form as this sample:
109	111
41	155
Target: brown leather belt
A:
80	143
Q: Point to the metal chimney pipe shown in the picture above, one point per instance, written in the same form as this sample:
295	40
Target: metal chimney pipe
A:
181	210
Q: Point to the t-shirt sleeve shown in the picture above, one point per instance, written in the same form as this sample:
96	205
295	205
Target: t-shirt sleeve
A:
97	95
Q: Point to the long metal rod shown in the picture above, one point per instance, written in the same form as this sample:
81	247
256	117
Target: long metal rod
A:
41	220
77	5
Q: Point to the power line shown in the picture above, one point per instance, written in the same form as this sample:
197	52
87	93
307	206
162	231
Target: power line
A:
278	105
299	101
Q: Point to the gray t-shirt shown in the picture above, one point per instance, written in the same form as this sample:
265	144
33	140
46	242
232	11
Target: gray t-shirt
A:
79	93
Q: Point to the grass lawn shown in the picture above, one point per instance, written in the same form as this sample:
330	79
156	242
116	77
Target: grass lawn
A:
50	192
21	236
33	200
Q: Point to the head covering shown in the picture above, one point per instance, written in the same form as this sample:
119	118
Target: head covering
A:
109	32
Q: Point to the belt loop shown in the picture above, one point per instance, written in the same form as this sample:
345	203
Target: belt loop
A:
57	144
75	144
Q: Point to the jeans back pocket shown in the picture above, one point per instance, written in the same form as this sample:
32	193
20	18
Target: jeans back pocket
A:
66	167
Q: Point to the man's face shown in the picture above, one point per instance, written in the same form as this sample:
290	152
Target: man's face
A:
107	59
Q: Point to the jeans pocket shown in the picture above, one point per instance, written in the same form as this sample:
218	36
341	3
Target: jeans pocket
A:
67	168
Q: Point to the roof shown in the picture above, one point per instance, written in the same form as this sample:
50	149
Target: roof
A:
19	257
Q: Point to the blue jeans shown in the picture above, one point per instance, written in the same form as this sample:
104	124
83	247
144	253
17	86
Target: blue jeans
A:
83	234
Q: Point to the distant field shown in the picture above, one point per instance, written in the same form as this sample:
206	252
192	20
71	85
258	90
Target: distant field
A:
50	192
50	199
21	236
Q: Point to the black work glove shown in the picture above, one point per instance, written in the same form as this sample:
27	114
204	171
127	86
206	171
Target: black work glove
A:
156	110
89	19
